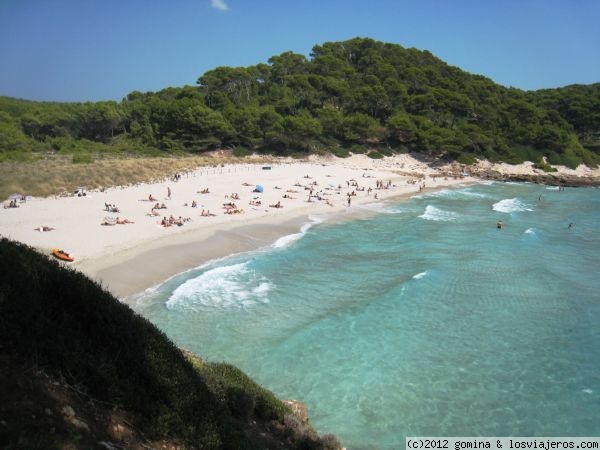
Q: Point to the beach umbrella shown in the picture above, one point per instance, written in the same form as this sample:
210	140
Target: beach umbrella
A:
259	188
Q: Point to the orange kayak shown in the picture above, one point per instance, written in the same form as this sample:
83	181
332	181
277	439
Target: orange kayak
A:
60	254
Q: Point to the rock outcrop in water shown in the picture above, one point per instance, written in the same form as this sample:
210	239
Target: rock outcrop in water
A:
551	179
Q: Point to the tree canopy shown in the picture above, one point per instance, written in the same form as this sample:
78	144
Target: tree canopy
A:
358	92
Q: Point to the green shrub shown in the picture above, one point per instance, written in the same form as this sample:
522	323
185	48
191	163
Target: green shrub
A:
82	158
465	158
540	164
375	155
341	152
67	325
519	154
567	159
358	149
241	152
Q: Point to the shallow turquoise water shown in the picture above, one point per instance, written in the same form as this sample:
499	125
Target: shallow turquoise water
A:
423	319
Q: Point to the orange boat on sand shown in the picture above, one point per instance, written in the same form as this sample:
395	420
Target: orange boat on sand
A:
62	255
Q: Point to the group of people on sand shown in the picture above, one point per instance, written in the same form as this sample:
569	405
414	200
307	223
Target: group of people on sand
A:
204	191
173	221
12	204
232	208
207	213
111	207
154	211
233	196
116	221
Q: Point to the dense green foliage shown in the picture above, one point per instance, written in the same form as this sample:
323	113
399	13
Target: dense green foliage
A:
354	93
62	322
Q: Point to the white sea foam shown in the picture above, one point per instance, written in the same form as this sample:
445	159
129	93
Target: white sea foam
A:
436	214
587	391
284	241
379	207
530	231
552	188
509	205
453	194
233	286
419	275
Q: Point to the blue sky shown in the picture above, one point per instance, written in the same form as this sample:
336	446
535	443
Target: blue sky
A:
79	50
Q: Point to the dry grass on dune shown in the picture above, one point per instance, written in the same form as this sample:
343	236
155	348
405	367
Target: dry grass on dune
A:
55	175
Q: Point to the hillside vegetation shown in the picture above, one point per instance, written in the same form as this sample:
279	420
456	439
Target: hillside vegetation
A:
57	324
351	96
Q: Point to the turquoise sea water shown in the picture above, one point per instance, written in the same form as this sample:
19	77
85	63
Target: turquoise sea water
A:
423	319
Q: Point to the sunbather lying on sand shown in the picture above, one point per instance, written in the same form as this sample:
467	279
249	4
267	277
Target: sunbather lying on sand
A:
121	221
277	205
43	228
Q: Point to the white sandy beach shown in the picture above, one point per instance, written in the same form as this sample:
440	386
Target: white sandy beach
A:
129	258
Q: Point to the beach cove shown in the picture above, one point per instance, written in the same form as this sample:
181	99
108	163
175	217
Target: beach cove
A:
387	297
128	258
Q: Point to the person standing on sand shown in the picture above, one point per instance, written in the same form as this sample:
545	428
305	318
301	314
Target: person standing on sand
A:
169	192
349	201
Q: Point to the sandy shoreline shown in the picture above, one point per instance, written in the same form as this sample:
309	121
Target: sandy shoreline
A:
127	259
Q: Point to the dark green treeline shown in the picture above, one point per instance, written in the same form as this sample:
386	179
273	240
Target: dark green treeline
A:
348	96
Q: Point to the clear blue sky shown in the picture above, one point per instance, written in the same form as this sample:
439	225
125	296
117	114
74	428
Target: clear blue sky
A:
76	50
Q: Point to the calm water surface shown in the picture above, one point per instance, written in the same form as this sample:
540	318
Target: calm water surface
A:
423	319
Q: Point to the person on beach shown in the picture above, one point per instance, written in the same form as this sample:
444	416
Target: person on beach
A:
349	201
169	192
570	227
43	228
151	199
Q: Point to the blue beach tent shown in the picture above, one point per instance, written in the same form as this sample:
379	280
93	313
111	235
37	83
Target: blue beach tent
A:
259	188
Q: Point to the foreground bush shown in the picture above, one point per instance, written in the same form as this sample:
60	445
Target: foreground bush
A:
61	322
